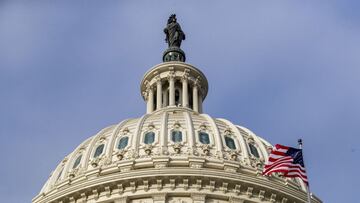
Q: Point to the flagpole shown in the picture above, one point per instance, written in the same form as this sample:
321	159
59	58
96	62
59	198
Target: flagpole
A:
308	185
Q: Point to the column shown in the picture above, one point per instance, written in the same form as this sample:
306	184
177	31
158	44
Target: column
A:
166	98
158	93
150	101
200	103
185	92
171	89
195	98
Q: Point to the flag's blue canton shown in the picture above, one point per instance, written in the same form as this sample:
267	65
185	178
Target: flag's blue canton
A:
296	154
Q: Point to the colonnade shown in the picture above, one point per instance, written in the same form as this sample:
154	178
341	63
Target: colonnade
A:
170	84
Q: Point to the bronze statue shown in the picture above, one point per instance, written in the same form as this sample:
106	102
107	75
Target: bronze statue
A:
174	34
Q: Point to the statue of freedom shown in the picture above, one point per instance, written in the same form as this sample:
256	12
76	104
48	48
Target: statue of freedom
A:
174	34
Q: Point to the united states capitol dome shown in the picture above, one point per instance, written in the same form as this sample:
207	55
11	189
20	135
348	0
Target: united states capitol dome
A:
173	153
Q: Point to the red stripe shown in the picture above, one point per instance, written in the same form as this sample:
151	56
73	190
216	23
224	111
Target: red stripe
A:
278	146
272	160
274	166
277	164
292	170
271	167
291	166
278	153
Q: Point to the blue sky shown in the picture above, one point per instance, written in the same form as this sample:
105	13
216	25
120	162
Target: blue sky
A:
284	69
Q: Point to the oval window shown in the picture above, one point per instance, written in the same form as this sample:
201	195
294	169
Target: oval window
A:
176	136
123	142
149	138
77	161
230	143
254	150
204	138
99	150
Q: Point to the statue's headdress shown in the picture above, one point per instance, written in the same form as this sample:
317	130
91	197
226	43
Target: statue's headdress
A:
171	17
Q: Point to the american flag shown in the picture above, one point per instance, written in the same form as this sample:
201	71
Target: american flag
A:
286	160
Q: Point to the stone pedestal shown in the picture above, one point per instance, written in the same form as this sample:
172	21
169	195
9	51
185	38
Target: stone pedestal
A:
174	54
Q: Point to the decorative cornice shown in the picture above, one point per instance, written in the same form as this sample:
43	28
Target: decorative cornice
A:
171	75
158	79
132	185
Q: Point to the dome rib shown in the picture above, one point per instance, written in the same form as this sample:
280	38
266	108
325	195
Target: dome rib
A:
113	137
244	151
191	131
263	150
137	134
218	140
89	149
163	133
73	156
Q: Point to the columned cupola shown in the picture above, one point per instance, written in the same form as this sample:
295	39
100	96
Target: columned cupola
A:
174	83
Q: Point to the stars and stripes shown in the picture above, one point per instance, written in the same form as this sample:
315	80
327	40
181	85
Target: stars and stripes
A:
286	160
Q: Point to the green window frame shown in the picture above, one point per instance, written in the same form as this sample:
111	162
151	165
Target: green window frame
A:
149	137
204	137
176	136
254	151
77	161
230	142
123	142
99	150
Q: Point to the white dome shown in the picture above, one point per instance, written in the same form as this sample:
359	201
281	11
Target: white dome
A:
163	124
174	153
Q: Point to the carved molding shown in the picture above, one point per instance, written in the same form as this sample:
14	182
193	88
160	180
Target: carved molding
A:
121	200
235	200
197	198
159	197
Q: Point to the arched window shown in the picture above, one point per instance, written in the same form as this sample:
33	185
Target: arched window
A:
204	138
99	150
149	137
176	136
230	142
123	142
77	161
254	150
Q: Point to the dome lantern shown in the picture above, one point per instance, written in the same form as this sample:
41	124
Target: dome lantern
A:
174	83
